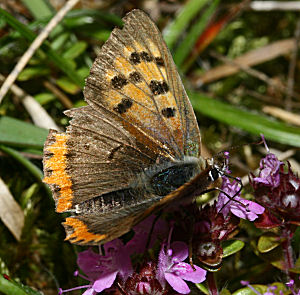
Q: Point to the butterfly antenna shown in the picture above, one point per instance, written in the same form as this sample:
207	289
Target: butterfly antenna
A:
226	153
221	153
232	198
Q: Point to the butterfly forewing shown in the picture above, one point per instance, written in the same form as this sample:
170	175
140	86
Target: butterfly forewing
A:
152	38
138	117
135	76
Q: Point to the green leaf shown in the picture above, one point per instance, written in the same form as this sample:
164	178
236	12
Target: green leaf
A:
67	85
296	268
101	35
44	98
33	72
60	41
267	242
59	61
180	23
75	50
9	287
79	17
83	72
261	289
225	292
274	257
79	103
248	121
202	288
189	41
232	246
17	133
28	194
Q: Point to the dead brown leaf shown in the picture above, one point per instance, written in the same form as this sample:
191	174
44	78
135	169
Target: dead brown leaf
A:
10	211
248	59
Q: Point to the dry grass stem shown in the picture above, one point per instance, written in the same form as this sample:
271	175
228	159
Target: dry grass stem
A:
37	113
274	5
255	73
292	68
251	58
283	115
66	102
34	46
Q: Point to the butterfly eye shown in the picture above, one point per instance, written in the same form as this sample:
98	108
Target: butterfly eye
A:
213	174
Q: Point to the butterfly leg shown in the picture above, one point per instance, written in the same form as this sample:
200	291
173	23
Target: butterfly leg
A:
121	289
191	252
152	228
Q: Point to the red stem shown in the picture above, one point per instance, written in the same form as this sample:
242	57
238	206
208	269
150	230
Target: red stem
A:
211	282
287	250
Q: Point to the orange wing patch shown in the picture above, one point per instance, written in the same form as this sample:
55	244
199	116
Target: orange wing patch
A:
80	232
55	170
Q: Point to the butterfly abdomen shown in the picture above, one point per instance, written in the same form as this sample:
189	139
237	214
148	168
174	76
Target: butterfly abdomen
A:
112	201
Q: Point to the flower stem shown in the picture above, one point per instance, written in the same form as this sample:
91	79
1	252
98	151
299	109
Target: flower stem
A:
211	282
287	250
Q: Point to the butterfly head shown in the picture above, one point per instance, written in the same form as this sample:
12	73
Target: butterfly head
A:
219	166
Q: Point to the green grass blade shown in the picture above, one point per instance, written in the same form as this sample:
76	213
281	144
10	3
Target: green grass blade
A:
40	9
189	41
59	61
21	28
17	133
175	28
251	122
35	171
73	17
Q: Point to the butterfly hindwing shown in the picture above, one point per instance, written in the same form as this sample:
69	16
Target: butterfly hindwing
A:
94	226
95	156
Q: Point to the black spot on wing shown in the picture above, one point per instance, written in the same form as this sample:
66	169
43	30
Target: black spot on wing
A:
118	82
168	112
146	56
123	106
159	61
135	58
158	87
135	77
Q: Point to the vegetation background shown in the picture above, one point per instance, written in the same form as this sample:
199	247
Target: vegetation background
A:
239	61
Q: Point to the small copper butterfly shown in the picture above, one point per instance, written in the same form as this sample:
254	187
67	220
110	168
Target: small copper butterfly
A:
135	148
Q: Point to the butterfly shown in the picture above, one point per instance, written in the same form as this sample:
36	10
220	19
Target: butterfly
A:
135	148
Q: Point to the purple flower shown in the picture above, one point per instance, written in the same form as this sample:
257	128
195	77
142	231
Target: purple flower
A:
279	192
102	270
269	171
138	243
173	270
240	207
282	200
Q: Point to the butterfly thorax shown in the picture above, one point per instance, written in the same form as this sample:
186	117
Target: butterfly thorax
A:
165	178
